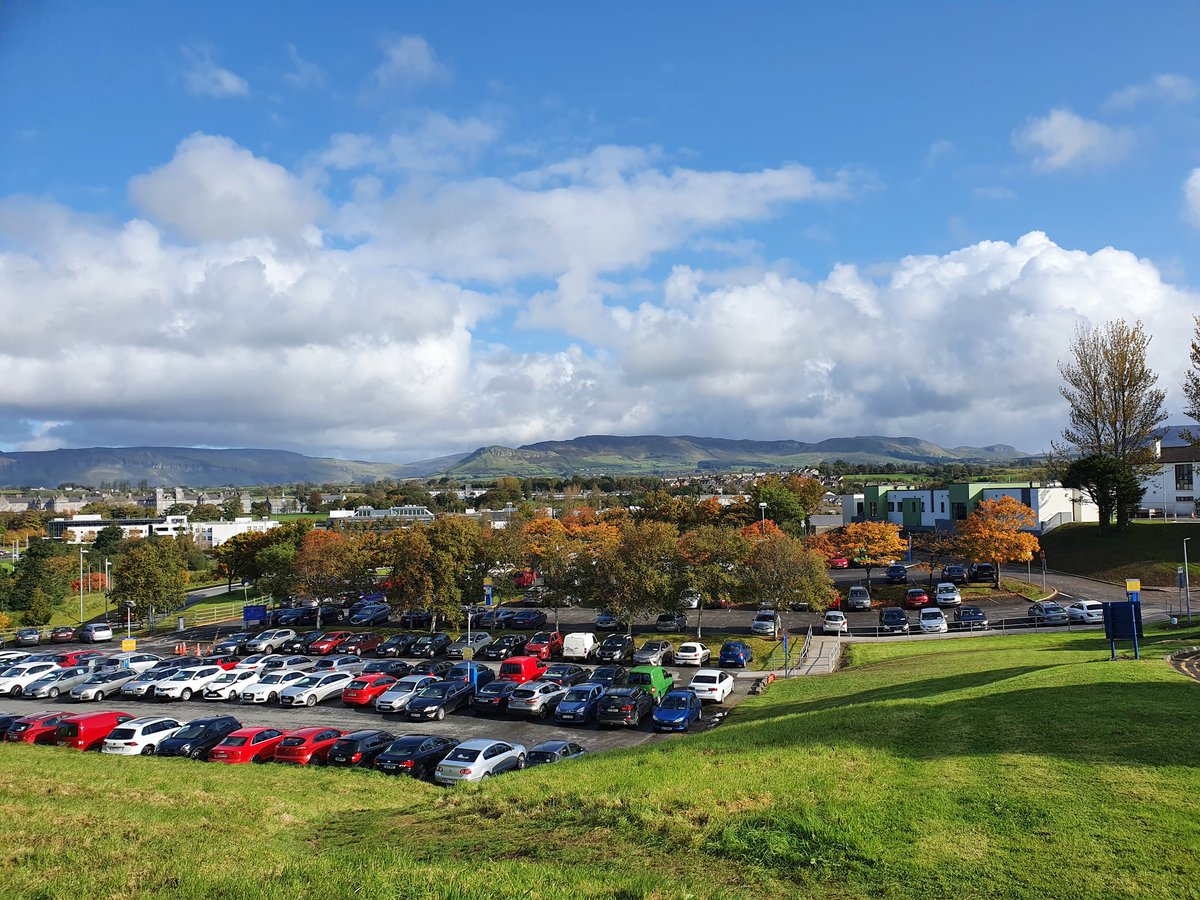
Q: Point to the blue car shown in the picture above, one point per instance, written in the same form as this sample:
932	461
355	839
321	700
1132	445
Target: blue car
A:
527	618
579	705
464	671
371	615
678	710
736	653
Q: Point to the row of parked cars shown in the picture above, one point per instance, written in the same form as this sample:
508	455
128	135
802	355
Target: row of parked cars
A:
93	632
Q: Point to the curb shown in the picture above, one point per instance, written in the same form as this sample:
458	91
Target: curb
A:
1185	653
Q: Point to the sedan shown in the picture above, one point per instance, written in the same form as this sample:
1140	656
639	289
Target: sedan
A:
896	574
328	642
99	685
1048	613
140	737
655	653
430	646
475	641
503	647
396	645
479	759
415	618
948	594
712	684
266	688
359	748
62	634
566	674
307	745
671	622
736	653
545	645
396	697
678	710
579	705
58	682
970	617
435	700
257	744
536	698
414	754
528	618
932	621
257	661
377	614
228	685
14	680
311	689
835	622
692	653
1087	612
186	682
552	752
225	662
362	643
366	689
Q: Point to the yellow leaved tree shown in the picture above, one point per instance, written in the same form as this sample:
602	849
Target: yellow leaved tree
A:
996	532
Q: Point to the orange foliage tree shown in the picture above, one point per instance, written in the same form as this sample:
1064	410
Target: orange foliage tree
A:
996	532
870	544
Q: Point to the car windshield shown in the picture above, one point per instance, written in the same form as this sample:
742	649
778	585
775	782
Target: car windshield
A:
120	734
674	702
233	742
540	638
463	754
434	691
613	642
704	679
578	696
309	681
190	731
931	614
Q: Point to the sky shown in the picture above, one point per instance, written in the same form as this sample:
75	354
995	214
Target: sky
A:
389	231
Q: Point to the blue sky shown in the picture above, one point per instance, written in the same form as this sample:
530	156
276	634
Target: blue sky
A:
394	230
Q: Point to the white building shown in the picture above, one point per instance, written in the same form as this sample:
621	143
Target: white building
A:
83	529
1171	490
214	534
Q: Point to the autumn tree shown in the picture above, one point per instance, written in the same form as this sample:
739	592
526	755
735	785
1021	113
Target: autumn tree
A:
328	563
1191	380
790	501
644	572
870	544
151	577
711	555
996	532
784	574
547	548
454	543
411	584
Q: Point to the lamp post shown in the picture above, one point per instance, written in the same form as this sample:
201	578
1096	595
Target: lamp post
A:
106	565
762	528
1187	587
81	584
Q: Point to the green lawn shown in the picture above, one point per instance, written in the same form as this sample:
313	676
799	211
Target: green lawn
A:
1145	550
1020	766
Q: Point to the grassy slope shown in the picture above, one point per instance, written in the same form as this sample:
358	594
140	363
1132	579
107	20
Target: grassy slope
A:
1150	551
1006	766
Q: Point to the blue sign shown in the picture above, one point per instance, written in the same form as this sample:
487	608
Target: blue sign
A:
254	614
1120	621
487	595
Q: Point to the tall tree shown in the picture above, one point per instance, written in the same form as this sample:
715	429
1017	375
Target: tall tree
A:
783	573
935	547
996	532
1108	482
411	584
711	556
151	576
870	544
1191	380
645	571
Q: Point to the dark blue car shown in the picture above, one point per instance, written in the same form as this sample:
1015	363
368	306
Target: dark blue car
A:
736	653
375	614
476	673
578	707
677	711
527	618
492	698
435	700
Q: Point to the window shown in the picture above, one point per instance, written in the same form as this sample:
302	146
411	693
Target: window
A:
891	506
1183	477
943	505
873	513
959	511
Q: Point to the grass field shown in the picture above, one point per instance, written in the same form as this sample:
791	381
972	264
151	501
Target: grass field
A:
993	767
1145	550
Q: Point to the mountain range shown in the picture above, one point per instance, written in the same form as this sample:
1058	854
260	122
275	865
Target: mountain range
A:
591	455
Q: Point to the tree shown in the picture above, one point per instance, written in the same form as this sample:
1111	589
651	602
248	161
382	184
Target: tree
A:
411	583
995	533
784	574
870	544
45	566
39	611
1109	483
178	509
790	501
313	502
108	540
231	509
711	556
644	574
1113	402
206	512
936	547
454	556
151	576
328	563
1191	380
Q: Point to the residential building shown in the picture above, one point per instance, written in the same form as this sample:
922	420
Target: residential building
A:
1171	491
214	534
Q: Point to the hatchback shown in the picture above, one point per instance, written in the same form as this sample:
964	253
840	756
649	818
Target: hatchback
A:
140	736
96	631
671	622
932	621
948	594
736	653
893	620
896	574
678	710
692	654
493	697
359	748
835	622
970	617
624	706
414	754
858	598
579	705
1048	613
197	737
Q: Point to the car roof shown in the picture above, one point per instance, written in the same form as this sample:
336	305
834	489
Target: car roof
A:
481	743
148	720
550	746
711	672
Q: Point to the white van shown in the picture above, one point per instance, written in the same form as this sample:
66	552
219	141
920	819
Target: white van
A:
579	645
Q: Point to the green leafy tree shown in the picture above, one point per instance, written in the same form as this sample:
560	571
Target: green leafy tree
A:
108	541
782	573
646	575
151	576
47	566
411	583
454	544
231	509
178	509
38	612
1108	482
206	512
790	501
711	555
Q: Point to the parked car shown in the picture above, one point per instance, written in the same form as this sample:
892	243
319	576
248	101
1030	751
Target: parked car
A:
954	574
361	644
712	684
28	637
655	680
307	745
88	731
892	619
767	623
536	698
947	594
417	755
896	574
365	689
58	681
677	711
234	643
430	646
340	663
624	706
493	697
835	622
198	737
301	642
396	645
609	676
223	662
397	696
503	647
62	634
146	684
132	660
254	744
39	728
95	632
477	759
375	614
229	685
140	737
566	674
10	658
545	645
579	705
397	668
839	562
415	618
579	645
982	572
671	622
102	683
858	598
474	641
528	618
14	680
735	653
615	648
1087	612
311	689
359	748
970	617
932	621
916	598
186	682
435	701
6	719
655	653
277	662
328	642
607	620
552	752
270	641
692	653
497	618
1048	612
475	674
267	688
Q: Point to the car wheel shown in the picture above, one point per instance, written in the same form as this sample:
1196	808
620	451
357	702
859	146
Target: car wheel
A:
99	696
186	694
148	750
441	713
273	698
17	690
311	701
196	754
521	761
53	693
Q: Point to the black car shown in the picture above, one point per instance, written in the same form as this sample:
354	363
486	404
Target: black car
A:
492	698
954	574
552	752
982	572
503	647
396	667
234	643
415	618
893	620
7	718
565	674
301	642
624	706
615	648
970	617
359	748
435	700
397	645
414	754
438	667
610	676
198	736
896	574
528	618
430	645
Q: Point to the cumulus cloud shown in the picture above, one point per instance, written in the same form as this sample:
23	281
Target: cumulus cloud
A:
205	78
409	62
1191	197
1170	89
1062	140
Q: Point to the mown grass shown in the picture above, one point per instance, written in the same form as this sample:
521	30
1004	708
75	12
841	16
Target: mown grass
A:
1145	550
1006	766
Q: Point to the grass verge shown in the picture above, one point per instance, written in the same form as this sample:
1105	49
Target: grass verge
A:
1145	550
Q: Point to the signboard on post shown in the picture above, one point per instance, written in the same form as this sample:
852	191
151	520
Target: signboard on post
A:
1123	622
254	615
1133	585
487	592
128	645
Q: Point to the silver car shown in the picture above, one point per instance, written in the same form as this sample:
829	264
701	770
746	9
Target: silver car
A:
536	698
464	642
59	682
858	598
655	653
104	683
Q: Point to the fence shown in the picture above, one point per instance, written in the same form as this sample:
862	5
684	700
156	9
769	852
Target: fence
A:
1024	623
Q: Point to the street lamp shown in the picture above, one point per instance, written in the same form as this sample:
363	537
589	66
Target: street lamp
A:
106	589
81	584
1187	587
762	508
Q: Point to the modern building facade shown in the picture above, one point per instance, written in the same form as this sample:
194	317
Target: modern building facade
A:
925	509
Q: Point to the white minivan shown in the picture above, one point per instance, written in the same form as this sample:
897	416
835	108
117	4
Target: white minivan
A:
579	645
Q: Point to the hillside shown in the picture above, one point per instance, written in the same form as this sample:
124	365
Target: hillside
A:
1151	551
1022	767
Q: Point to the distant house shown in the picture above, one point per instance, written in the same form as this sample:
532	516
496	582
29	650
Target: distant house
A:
282	506
1171	491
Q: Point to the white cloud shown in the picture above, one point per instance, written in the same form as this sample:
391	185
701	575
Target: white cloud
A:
204	78
1061	140
304	74
212	189
1191	197
437	143
938	151
409	62
1170	89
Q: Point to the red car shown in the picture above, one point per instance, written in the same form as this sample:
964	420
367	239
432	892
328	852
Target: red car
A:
305	745
839	562
225	662
62	634
329	642
358	644
525	579
916	598
545	644
87	731
36	729
76	658
363	690
522	669
255	744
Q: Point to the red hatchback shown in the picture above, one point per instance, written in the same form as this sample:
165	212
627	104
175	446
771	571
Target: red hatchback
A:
87	731
363	690
839	562
545	644
329	642
36	729
76	658
255	744
62	634
225	662
306	745
916	598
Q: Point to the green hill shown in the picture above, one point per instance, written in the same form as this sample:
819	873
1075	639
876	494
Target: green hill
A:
1009	766
1151	551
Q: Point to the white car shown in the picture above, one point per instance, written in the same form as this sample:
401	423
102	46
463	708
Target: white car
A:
136	661
948	595
1089	612
835	623
692	654
104	683
395	698
266	688
690	600
312	688
479	759
146	684
712	684
139	737
286	664
257	661
14	680
60	682
473	642
932	621
579	645
270	641
228	685
186	682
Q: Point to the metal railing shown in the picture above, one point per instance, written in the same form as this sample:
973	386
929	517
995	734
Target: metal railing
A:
1018	624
